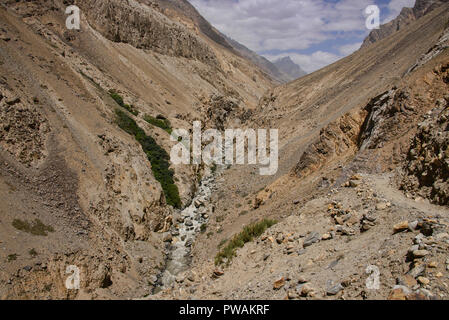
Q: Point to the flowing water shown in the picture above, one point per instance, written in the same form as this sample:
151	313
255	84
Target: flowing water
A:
193	218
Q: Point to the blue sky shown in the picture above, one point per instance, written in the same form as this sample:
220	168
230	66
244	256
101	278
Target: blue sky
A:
314	33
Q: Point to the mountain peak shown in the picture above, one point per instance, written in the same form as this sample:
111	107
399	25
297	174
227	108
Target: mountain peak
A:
290	68
285	59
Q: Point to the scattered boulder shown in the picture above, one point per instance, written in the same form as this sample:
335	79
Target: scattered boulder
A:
382	206
290	249
27	268
420	253
334	290
354	183
13	101
292	295
326	236
301	280
417	270
399	293
423	280
305	290
167	237
367	222
189	242
217	273
346	231
402	226
278	284
407	281
311	239
280	238
412	226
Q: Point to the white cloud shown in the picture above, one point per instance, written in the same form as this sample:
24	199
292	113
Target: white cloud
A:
264	25
293	25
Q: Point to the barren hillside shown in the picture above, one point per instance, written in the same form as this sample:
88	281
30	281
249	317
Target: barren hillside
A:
85	178
69	162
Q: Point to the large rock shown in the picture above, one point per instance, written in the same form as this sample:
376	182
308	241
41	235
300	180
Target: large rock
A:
312	238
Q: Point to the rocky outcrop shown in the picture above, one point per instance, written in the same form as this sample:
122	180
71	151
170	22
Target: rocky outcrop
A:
23	129
427	166
339	138
182	9
442	44
222	109
386	114
144	27
144	210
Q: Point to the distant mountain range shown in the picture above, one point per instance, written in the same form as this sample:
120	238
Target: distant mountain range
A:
277	70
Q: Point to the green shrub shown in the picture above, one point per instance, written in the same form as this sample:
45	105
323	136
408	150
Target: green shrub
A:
37	228
248	234
159	122
119	100
158	157
222	243
33	252
12	257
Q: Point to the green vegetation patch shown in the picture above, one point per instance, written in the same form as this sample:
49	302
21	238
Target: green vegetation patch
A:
119	100
12	257
37	228
248	234
159	122
158	157
32	252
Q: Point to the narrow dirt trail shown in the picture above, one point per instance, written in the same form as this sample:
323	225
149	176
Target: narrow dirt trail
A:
382	184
